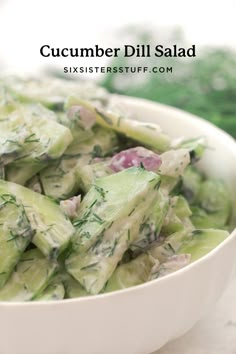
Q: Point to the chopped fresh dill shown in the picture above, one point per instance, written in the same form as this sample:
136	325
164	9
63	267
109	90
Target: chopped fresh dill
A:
79	222
86	235
170	247
95	246
97	151
100	190
128	236
107	119
92	265
13	237
26	269
131	212
157	185
97	219
93	203
32	139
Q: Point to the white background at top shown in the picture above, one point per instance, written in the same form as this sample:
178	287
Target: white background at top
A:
26	25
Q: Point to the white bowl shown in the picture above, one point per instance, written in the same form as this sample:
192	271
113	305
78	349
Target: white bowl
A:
141	319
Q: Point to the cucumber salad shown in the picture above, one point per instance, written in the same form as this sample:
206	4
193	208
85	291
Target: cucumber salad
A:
92	201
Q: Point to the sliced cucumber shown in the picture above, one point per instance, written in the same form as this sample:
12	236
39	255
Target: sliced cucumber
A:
52	229
42	139
109	221
149	134
132	273
150	229
55	291
61	179
202	241
15	233
192	180
73	288
30	277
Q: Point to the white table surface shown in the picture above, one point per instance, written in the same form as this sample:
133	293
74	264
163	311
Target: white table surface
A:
214	334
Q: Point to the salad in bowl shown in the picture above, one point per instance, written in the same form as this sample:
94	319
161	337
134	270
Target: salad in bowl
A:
93	201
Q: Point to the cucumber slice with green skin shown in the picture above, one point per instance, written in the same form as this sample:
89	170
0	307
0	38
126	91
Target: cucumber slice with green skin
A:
46	140
61	179
203	220
193	246
202	241
180	206
213	205
12	139
197	243
88	174
192	180
143	268
55	291
172	223
146	133
21	174
95	266
78	133
171	244
111	198
178	212
30	277
150	230
15	233
132	273
52	229
109	220
171	185
213	196
73	288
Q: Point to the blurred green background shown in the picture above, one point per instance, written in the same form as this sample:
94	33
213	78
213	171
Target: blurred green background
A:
205	85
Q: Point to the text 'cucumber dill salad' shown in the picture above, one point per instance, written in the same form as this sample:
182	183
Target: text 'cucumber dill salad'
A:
92	201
